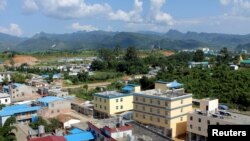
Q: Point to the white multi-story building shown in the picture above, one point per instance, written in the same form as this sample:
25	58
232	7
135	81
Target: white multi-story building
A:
5	98
209	114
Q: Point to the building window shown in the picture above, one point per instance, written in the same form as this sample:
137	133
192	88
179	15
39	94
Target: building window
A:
191	126
117	100
6	100
181	118
151	101
199	128
144	116
58	111
208	122
151	110
199	119
136	106
158	119
191	118
166	103
104	107
166	121
158	111
143	99
136	98
100	99
121	107
136	115
104	100
159	102
166	113
52	111
143	108
182	101
217	123
117	107
100	106
151	118
181	110
121	99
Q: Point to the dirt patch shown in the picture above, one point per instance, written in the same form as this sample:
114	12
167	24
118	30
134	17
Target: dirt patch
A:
167	53
21	59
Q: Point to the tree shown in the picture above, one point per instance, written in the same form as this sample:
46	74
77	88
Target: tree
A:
99	65
117	50
18	78
6	132
131	54
198	56
86	88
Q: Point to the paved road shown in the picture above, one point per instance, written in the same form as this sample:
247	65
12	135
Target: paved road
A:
90	86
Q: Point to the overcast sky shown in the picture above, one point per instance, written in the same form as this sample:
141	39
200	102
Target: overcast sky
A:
28	17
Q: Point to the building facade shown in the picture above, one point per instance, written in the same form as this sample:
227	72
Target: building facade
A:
5	99
164	108
53	106
209	114
111	102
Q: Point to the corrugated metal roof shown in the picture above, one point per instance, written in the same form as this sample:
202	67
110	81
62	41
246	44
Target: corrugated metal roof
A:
84	136
76	131
49	99
49	138
15	109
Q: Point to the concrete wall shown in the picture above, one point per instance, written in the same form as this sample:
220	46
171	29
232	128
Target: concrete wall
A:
211	104
137	89
160	86
5	101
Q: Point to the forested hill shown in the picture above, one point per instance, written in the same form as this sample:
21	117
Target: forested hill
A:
173	39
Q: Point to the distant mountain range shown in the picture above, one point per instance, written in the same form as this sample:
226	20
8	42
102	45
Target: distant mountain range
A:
173	39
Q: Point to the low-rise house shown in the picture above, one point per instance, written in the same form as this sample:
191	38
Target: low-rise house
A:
24	113
57	76
245	63
83	107
20	92
53	106
58	92
47	138
38	83
67	120
77	134
110	130
193	64
4	75
5	98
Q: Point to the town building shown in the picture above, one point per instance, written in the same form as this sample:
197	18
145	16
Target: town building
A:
23	113
83	107
164	108
67	120
245	63
198	64
209	114
53	106
109	130
5	75
48	138
77	134
5	98
111	102
131	88
20	92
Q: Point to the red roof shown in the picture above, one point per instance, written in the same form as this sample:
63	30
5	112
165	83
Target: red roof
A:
49	138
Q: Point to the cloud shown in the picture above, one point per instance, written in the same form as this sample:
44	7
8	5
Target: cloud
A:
29	6
13	29
67	8
239	7
131	16
88	28
158	15
3	5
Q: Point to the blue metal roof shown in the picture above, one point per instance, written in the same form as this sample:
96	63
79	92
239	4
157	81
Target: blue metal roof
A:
128	88
84	136
49	99
45	76
15	109
76	131
174	84
58	75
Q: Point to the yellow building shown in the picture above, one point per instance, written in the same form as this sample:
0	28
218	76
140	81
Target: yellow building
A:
164	108
111	102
